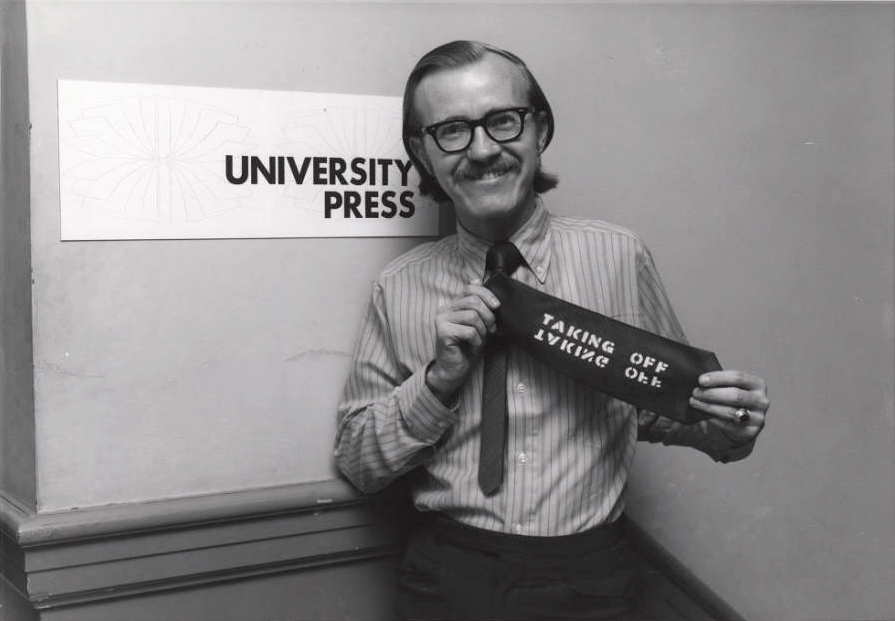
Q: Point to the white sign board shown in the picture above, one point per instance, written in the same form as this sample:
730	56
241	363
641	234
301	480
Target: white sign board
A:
139	161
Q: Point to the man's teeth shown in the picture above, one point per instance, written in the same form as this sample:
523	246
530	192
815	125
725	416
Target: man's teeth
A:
491	174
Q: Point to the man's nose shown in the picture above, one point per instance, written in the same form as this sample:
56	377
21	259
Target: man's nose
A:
482	146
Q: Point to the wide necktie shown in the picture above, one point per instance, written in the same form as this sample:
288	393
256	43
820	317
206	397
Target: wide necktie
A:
502	258
644	369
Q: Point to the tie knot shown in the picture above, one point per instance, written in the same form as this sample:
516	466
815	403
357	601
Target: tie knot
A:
503	257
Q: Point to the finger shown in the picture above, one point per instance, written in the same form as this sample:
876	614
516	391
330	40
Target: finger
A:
471	318
730	377
728	414
735	434
483	293
462	335
480	306
473	297
733	397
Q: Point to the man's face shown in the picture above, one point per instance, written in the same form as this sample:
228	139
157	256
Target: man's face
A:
490	183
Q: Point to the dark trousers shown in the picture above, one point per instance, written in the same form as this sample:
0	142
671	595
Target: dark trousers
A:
453	571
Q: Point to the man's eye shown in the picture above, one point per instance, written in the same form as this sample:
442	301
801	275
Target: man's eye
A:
502	120
452	129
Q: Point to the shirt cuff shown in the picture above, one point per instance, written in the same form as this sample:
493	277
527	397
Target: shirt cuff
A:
425	416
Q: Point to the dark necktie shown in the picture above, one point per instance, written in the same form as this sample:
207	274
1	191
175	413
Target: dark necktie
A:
646	370
502	258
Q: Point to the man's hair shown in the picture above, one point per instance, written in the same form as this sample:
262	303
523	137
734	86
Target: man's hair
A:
460	54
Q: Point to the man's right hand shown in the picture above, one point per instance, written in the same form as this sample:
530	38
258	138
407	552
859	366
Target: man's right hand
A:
461	327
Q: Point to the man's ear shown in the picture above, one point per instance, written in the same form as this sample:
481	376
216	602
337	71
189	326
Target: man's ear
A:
541	124
419	151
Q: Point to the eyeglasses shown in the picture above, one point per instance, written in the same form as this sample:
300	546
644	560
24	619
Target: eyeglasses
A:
501	126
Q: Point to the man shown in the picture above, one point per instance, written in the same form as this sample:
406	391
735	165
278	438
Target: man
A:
547	541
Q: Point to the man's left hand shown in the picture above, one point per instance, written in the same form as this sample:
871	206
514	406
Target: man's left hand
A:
735	401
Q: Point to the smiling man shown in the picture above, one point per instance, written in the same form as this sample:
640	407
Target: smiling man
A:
520	470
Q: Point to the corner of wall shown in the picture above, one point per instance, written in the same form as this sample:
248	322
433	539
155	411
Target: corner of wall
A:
17	464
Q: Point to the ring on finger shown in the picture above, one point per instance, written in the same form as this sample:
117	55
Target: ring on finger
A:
742	417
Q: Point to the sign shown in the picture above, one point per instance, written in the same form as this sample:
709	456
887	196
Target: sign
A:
644	369
140	161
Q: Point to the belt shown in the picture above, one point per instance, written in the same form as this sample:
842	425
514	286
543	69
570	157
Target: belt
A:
492	542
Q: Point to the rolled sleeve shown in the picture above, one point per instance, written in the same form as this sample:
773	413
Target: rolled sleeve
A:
703	436
389	419
425	416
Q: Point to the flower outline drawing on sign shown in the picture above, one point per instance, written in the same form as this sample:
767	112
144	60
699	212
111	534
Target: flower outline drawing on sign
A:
347	133
153	158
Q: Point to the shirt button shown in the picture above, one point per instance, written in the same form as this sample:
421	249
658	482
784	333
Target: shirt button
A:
520	387
539	270
517	528
522	457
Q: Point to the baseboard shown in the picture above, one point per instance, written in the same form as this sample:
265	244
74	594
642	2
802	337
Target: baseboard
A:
675	591
86	556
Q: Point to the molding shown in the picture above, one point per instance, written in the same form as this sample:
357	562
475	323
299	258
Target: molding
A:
32	528
100	553
680	577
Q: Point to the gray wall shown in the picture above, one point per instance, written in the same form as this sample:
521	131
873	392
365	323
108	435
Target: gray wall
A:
751	145
17	471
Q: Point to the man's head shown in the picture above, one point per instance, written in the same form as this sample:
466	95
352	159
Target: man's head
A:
475	124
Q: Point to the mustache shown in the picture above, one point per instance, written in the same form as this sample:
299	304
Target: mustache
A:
473	171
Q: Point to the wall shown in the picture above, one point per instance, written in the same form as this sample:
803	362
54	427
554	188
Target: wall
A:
750	145
235	344
17	468
772	152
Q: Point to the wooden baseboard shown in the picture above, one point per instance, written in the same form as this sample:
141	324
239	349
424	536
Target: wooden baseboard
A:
89	555
675	591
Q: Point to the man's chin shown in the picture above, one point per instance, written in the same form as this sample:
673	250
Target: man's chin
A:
489	208
496	212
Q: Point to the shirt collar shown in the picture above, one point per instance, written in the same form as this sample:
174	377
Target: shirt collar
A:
532	239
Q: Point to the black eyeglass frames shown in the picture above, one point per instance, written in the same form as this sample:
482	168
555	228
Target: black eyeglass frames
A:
455	135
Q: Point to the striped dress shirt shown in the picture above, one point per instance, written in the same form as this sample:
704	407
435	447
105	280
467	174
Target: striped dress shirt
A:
569	447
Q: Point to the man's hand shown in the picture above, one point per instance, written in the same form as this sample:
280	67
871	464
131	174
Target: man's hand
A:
721	394
461	328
